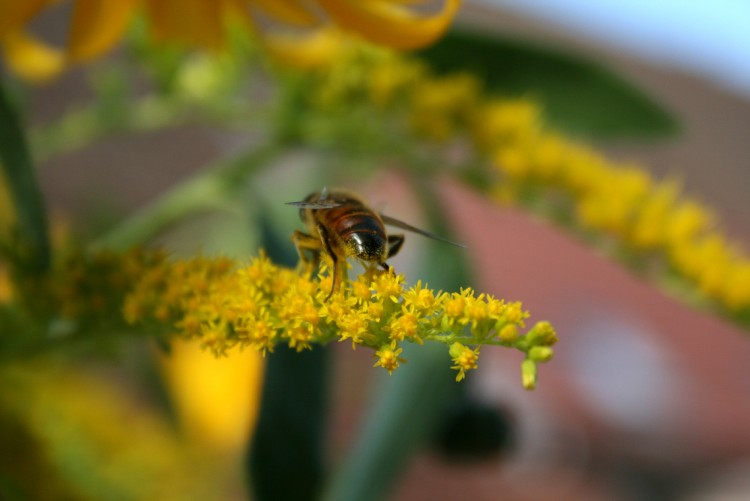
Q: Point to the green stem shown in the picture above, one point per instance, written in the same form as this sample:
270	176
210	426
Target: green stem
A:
82	126
289	439
23	186
209	189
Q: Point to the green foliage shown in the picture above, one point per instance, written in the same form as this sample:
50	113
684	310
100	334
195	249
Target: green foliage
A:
285	460
578	95
18	170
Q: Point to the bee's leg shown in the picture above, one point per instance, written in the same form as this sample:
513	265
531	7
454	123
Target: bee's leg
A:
304	242
394	245
325	240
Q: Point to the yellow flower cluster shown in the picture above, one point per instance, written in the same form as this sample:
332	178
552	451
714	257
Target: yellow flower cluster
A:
528	161
260	305
646	217
82	290
438	106
51	410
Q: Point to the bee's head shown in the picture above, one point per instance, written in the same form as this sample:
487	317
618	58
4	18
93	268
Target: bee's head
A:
367	246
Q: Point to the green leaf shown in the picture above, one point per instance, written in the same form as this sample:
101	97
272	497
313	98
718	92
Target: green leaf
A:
286	456
577	95
20	177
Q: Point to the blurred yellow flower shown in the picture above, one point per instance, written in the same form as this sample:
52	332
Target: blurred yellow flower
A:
7	215
216	400
78	434
6	289
300	32
440	106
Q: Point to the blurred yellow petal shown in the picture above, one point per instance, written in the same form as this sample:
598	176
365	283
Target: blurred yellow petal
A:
6	287
309	50
390	23
238	15
216	399
288	11
197	23
31	59
96	25
7	211
14	14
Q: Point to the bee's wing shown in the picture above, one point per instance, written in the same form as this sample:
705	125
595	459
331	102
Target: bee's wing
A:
320	204
404	226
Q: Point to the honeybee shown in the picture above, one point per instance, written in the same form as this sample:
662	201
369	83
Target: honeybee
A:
340	224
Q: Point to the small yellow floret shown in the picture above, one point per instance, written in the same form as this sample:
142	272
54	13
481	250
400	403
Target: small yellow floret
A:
388	286
421	298
388	357
404	326
508	333
464	359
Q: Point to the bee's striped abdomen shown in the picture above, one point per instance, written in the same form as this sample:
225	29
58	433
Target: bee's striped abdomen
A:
360	229
356	219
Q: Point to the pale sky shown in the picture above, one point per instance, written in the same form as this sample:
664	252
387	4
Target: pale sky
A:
708	37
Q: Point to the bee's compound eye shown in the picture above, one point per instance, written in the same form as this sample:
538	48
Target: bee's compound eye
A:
368	246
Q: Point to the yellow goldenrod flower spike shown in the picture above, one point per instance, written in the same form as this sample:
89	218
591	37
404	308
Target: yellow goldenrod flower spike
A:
224	307
259	305
644	217
439	107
